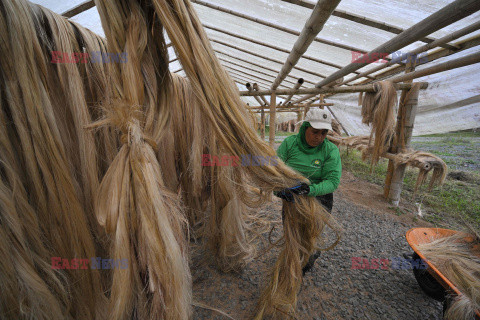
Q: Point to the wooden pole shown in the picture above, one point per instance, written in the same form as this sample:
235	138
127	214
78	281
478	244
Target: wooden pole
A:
315	91
264	57
414	53
400	126
250	89
207	26
452	64
275	26
249	69
399	171
273	104
297	86
313	26
84	6
256	88
449	14
365	21
255	64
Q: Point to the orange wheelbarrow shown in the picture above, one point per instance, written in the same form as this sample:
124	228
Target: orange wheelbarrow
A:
430	279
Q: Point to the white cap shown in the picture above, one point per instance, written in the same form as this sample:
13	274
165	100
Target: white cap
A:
319	119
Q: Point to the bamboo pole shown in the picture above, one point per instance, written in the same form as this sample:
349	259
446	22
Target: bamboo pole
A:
313	26
267	45
257	88
448	65
399	171
252	77
299	119
250	88
365	21
449	14
297	86
315	91
432	56
249	69
275	26
457	34
84	6
273	104
400	127
256	65
264	57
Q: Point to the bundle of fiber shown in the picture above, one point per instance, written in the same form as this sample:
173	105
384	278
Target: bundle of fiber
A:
378	109
49	167
223	109
425	162
458	259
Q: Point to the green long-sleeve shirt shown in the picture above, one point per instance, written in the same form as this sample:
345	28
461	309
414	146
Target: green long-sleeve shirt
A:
321	164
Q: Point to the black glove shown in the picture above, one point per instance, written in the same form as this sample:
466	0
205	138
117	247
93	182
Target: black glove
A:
287	193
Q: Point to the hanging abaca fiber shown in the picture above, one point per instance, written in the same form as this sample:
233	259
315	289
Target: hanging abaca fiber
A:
105	160
459	261
378	111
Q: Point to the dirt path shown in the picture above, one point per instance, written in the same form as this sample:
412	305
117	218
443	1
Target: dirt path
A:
333	290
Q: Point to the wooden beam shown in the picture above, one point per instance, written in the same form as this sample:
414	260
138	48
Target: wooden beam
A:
275	26
267	45
448	65
251	69
255	64
296	106
313	26
315	91
451	13
413	54
297	86
365	21
273	105
432	56
266	58
84	6
250	89
256	88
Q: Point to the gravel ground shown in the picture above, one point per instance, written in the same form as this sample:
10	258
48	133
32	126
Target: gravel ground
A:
333	290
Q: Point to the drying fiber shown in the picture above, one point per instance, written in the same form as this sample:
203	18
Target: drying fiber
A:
378	111
106	160
457	257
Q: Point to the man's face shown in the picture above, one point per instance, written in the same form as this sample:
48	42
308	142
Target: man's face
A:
315	137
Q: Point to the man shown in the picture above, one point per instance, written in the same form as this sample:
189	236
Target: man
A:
315	157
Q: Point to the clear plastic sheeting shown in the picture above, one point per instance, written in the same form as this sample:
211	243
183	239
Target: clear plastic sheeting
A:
450	103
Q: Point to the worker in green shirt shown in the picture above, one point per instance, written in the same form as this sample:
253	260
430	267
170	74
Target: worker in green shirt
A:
310	153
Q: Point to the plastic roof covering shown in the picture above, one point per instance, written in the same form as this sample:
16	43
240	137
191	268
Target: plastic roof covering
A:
452	101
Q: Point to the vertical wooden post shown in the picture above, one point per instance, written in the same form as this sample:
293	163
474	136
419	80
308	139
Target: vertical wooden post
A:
299	118
410	67
322	100
262	123
273	107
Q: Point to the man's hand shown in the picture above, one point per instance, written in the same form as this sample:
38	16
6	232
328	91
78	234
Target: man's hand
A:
287	193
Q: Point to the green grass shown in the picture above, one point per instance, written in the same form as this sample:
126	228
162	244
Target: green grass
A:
453	202
277	133
457	134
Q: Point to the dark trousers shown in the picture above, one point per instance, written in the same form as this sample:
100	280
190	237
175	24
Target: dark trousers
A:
327	202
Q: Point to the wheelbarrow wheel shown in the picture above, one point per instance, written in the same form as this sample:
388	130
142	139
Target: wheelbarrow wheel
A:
428	283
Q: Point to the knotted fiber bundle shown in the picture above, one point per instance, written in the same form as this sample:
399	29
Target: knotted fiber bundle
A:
49	167
146	150
378	110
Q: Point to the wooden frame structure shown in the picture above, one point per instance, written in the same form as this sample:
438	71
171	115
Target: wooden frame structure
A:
402	74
